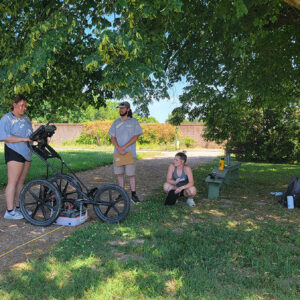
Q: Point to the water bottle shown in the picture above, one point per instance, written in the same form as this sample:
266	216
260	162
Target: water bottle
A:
221	164
290	202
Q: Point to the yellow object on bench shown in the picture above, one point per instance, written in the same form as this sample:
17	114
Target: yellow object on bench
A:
217	178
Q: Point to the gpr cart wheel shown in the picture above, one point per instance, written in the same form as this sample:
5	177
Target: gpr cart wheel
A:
68	187
40	202
112	203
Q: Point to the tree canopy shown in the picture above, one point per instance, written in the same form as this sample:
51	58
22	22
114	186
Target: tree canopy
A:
78	115
63	53
234	55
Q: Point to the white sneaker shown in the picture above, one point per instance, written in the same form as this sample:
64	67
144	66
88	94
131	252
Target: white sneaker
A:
13	215
190	202
19	211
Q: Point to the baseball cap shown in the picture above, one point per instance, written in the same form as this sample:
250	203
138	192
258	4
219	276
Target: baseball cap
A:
124	104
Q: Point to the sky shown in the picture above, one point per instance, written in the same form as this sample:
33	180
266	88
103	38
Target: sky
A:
161	109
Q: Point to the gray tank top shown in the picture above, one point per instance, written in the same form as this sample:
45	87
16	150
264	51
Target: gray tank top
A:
183	178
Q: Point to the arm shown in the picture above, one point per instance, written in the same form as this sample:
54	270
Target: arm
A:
115	143
17	139
121	149
130	142
170	180
189	173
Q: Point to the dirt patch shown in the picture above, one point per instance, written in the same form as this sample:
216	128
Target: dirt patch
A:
21	241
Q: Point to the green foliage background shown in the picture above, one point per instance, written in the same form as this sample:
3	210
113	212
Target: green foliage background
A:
237	57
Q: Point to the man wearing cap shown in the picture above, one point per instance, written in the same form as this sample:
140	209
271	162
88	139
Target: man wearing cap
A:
124	133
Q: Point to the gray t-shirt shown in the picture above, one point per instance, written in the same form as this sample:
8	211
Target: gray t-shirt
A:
10	125
123	131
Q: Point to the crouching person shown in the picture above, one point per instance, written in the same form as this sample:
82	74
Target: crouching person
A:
180	181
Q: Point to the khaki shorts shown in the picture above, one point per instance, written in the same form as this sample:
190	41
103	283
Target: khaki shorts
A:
129	170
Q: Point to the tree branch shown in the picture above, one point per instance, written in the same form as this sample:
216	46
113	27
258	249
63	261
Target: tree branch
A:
294	3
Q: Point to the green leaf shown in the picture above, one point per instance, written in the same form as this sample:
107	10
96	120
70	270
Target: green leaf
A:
241	8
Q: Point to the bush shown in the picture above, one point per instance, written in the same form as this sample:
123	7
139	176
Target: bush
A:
155	133
271	136
96	131
86	139
188	141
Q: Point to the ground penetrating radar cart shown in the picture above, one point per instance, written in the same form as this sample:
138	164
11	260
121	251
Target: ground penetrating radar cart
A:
42	201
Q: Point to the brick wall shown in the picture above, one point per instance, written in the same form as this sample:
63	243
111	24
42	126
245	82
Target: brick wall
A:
195	131
67	132
64	131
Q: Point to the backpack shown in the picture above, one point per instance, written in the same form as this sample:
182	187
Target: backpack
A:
293	189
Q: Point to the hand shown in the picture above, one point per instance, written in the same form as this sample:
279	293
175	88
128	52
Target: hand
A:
121	150
177	180
178	190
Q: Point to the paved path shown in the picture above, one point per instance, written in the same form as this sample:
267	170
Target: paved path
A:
21	241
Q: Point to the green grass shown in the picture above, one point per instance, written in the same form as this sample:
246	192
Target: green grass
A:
78	160
241	246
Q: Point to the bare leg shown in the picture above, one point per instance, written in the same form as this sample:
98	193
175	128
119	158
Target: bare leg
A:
14	171
190	192
121	180
21	181
168	187
132	183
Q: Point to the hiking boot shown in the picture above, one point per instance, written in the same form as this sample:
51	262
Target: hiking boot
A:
18	209
13	215
190	202
135	199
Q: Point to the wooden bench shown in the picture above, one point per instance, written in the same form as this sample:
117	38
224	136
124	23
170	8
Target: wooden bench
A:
218	178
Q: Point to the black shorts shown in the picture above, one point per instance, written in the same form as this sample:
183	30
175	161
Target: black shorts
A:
11	155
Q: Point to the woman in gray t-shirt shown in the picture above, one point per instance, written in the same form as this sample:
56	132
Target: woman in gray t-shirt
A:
15	129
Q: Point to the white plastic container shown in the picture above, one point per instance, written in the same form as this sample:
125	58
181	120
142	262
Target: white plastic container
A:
290	202
80	218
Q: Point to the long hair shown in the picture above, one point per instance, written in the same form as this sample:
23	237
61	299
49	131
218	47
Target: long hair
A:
18	98
129	113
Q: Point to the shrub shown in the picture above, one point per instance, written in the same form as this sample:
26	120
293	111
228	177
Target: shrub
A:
157	133
97	132
188	141
86	139
272	135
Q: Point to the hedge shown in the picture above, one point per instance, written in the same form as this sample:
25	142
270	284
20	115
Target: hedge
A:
96	132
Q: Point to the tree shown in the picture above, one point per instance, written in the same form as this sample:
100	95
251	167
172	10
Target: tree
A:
295	3
78	115
66	53
234	53
270	134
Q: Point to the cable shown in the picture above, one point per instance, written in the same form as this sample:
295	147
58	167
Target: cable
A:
30	241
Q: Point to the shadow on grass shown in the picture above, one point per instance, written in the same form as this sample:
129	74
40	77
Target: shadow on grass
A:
231	248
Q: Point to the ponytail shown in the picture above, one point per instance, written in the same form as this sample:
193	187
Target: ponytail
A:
129	113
